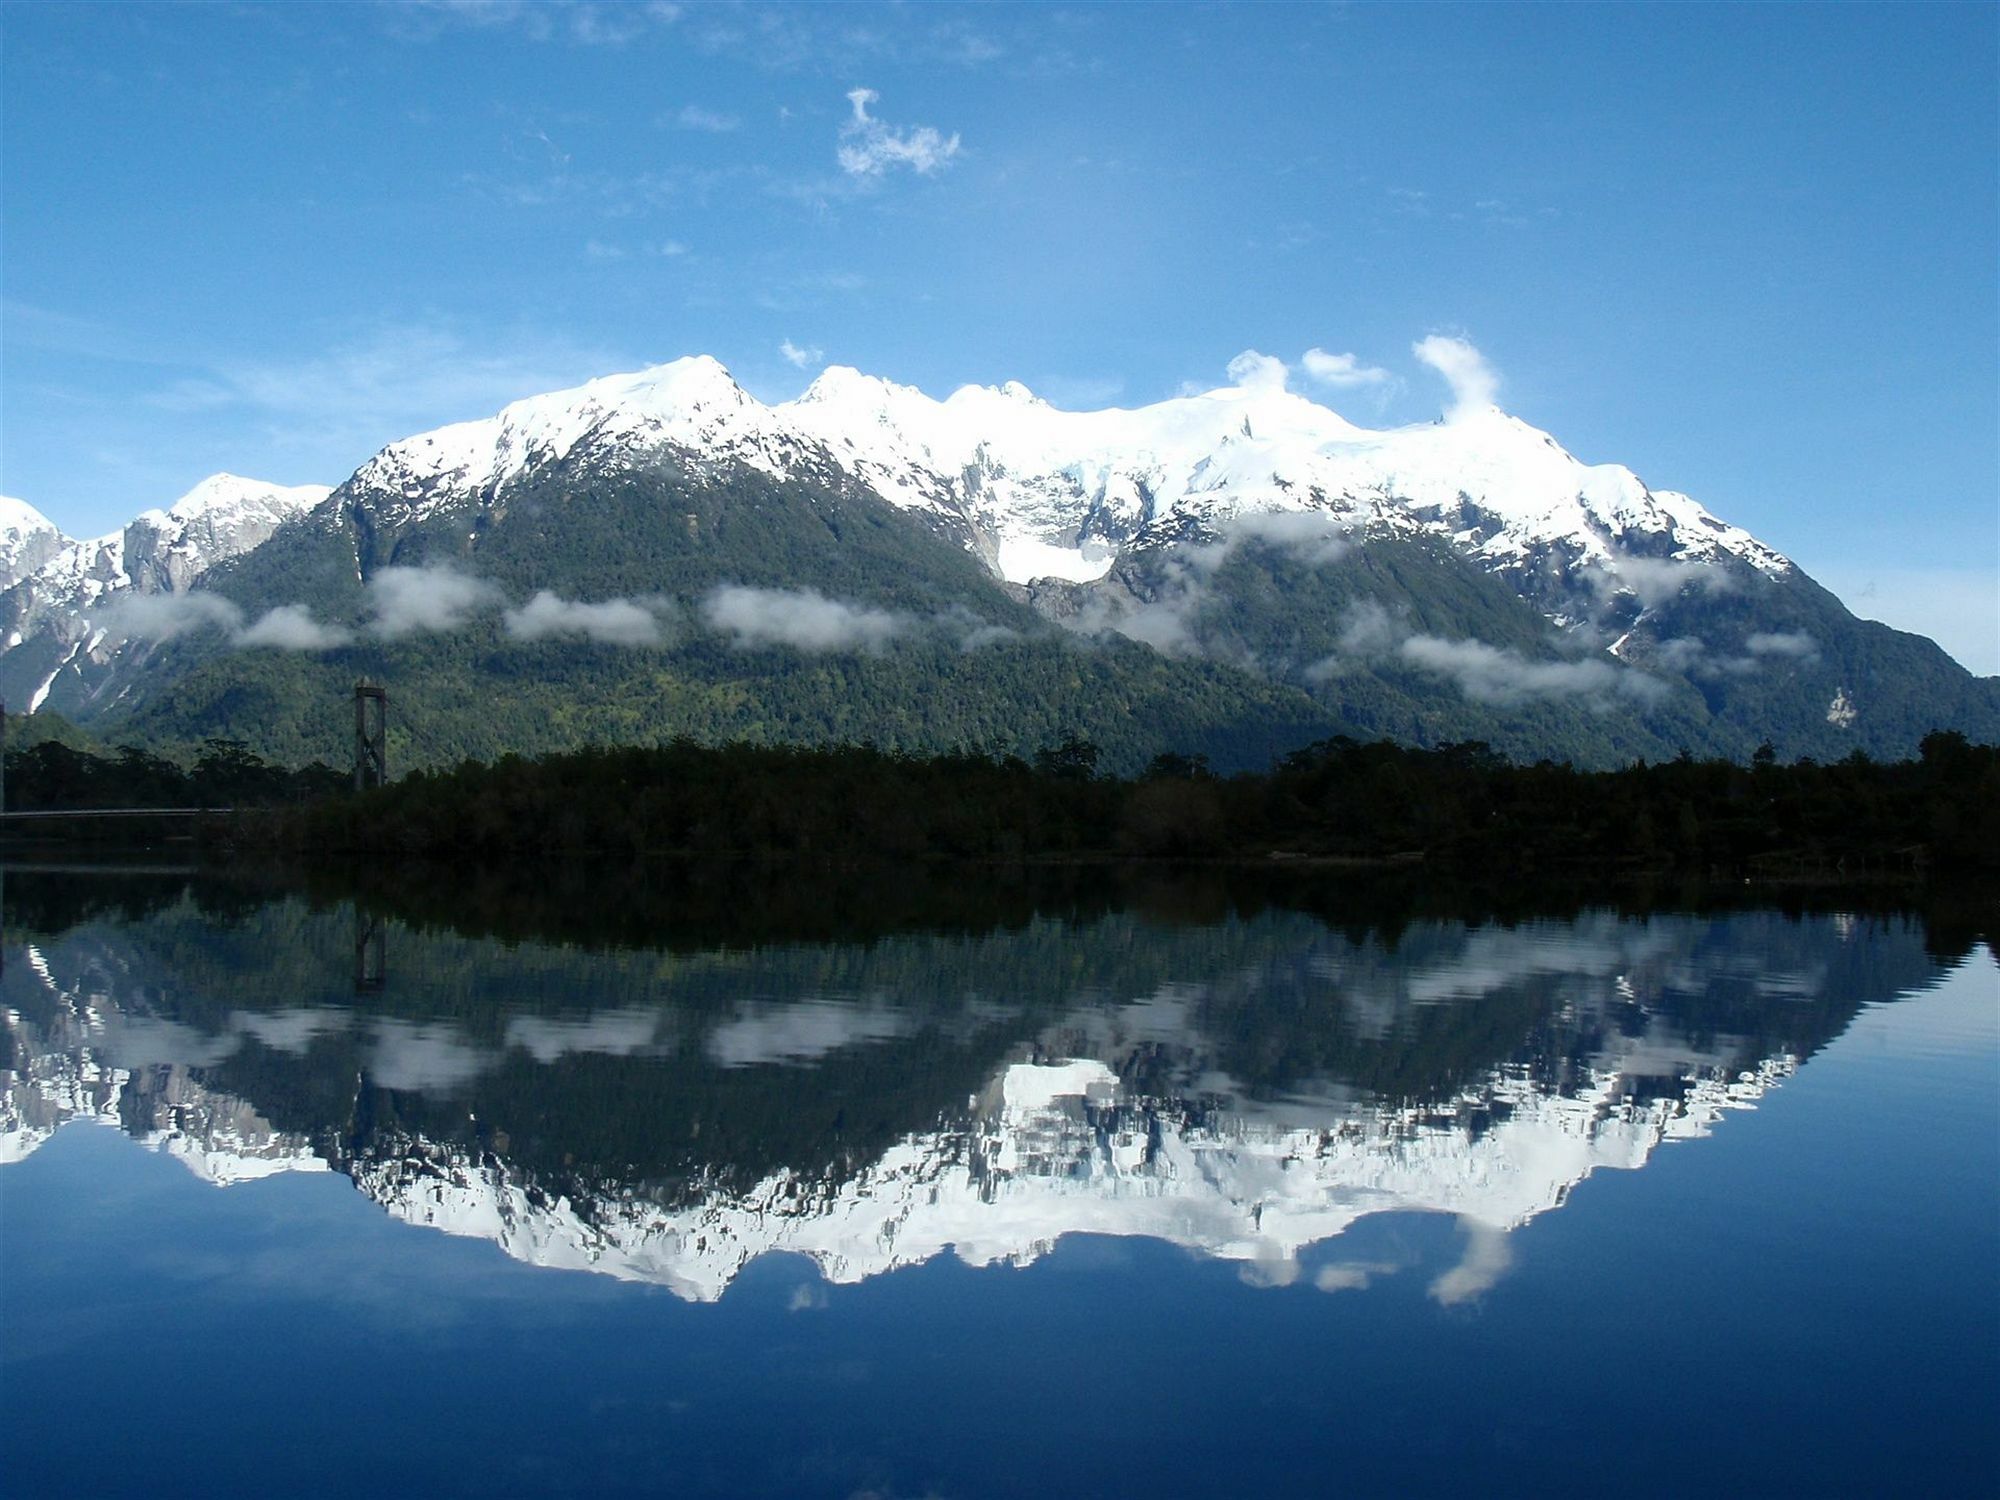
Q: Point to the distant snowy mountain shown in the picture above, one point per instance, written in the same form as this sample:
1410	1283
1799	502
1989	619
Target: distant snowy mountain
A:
28	539
1466	578
1045	493
52	615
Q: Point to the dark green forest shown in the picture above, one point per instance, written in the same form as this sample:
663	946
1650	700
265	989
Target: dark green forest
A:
1460	806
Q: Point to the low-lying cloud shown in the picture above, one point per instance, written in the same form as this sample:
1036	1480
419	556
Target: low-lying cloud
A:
1795	643
163	617
1167	621
437	598
1761	649
291	627
1655	580
1496	675
612	622
1500	675
804	619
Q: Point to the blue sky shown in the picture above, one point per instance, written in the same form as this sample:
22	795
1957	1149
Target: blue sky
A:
1749	251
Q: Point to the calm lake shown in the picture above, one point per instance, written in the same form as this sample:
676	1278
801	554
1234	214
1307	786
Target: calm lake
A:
1091	1183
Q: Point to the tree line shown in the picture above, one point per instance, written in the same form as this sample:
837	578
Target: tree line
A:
1460	806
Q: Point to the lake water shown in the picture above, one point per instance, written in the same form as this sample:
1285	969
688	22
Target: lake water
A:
1092	1184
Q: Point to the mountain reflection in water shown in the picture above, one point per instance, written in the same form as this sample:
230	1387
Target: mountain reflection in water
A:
1245	1083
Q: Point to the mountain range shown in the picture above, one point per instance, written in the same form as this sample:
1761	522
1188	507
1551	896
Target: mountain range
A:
1233	573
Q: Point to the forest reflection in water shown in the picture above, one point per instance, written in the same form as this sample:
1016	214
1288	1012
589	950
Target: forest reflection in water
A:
662	1074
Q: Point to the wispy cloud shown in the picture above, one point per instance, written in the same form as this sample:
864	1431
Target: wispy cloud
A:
1342	371
800	357
1487	1258
1352	1275
1793	643
709	121
587	23
1496	675
870	147
1169	621
1474	383
611	622
1761	651
1502	676
338	406
1655	580
609	1033
803	619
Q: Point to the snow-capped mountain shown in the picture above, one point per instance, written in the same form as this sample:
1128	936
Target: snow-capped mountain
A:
52	616
1466	578
1045	493
28	539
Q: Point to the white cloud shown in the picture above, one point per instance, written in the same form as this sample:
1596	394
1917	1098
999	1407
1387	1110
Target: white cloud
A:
800	357
1487	1258
1368	632
802	1031
1351	1275
439	598
1166	621
423	1058
694	117
804	619
1794	643
1690	654
869	147
1258	372
1314	537
291	627
293	1030
614	622
1655	580
611	1033
1342	371
161	617
1474	383
1499	675
1484	673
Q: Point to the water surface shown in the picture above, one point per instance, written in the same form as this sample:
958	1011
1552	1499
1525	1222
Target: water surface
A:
1078	1187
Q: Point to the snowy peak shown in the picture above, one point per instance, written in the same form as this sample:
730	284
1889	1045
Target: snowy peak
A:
1043	492
693	403
28	539
222	517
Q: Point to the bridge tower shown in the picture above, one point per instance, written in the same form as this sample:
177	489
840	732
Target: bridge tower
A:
371	735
